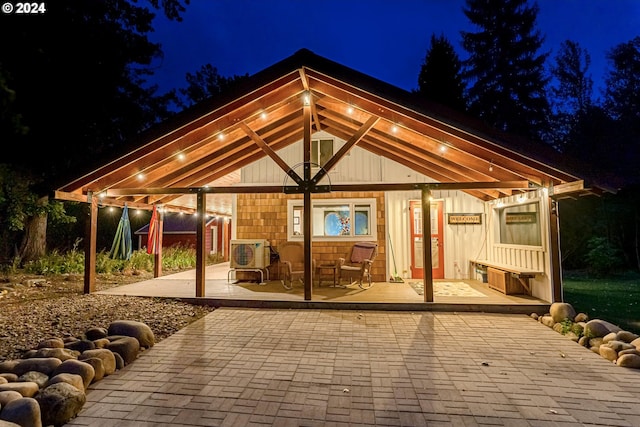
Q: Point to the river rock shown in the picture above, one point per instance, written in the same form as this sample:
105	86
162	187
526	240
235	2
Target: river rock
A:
626	336
561	311
80	345
8	366
24	412
7	396
83	368
57	352
581	317
51	343
608	352
59	403
46	365
98	368
629	361
599	328
96	333
26	389
107	357
547	321
127	347
132	328
9	377
73	379
34	376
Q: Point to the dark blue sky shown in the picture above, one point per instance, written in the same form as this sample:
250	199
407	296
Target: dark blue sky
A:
385	39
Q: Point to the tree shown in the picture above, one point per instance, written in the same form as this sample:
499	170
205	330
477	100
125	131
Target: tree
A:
505	73
77	77
571	94
622	101
206	83
440	78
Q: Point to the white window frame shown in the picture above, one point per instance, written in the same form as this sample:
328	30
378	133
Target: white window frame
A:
496	212
351	203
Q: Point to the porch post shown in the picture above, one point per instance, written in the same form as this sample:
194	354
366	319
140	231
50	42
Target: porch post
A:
90	238
554	250
200	242
427	276
157	257
308	274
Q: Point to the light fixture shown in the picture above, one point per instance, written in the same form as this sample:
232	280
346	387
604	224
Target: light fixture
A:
349	109
181	157
491	166
443	148
140	176
306	98
263	115
220	136
394	129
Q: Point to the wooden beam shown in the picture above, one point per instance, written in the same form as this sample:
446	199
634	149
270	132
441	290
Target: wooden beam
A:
274	156
427	256
91	233
345	149
554	250
566	188
201	255
308	273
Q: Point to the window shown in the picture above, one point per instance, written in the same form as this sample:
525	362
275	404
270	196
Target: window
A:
321	151
335	219
520	225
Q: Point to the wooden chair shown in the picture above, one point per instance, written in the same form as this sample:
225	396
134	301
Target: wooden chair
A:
357	266
291	263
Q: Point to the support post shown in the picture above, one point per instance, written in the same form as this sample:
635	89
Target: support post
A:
308	273
426	246
200	244
91	235
554	250
157	257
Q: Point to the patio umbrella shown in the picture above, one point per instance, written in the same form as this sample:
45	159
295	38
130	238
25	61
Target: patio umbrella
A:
152	239
122	245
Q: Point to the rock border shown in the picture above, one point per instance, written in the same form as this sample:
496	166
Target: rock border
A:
48	385
603	338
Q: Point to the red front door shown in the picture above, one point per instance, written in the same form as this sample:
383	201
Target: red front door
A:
437	247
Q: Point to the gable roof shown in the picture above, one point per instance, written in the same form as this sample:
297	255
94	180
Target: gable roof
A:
206	145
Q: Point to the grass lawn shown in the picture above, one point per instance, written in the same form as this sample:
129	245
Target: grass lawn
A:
615	299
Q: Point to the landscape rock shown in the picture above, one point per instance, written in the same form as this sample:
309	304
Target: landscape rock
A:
72	379
8	366
107	357
80	345
127	347
608	353
547	321
59	403
636	343
96	333
83	368
51	343
629	361
26	388
599	328
46	365
561	311
35	377
626	336
24	411
9	377
8	396
581	317
57	352
132	328
98	368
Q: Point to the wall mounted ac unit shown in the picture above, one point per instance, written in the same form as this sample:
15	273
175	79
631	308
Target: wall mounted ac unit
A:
250	253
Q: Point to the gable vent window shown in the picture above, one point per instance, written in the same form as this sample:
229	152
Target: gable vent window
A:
321	151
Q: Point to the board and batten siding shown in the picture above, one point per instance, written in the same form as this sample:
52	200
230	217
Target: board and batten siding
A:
522	256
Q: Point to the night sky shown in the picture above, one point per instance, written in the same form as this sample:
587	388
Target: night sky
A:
385	39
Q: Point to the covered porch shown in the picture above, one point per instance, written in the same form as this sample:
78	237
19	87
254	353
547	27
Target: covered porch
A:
224	290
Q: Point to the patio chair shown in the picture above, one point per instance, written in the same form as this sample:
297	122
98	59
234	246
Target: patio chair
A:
357	266
291	263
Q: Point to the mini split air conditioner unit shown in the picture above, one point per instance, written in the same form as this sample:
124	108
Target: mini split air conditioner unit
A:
250	253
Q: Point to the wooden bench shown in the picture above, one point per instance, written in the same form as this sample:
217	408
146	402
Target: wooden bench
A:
499	276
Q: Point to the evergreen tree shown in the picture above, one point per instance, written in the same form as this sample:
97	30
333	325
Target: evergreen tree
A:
504	71
571	93
622	101
206	82
440	78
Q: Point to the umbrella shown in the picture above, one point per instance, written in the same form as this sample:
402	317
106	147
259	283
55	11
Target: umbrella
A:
122	245
152	239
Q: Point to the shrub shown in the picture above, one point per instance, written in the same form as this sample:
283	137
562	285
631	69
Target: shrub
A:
602	256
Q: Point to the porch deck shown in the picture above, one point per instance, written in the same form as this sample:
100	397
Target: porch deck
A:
449	295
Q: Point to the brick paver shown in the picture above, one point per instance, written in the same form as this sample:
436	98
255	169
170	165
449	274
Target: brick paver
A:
268	367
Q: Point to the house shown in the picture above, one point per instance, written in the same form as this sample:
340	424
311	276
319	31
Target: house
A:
310	150
180	230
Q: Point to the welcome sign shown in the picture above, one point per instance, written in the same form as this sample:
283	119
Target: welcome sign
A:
464	218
